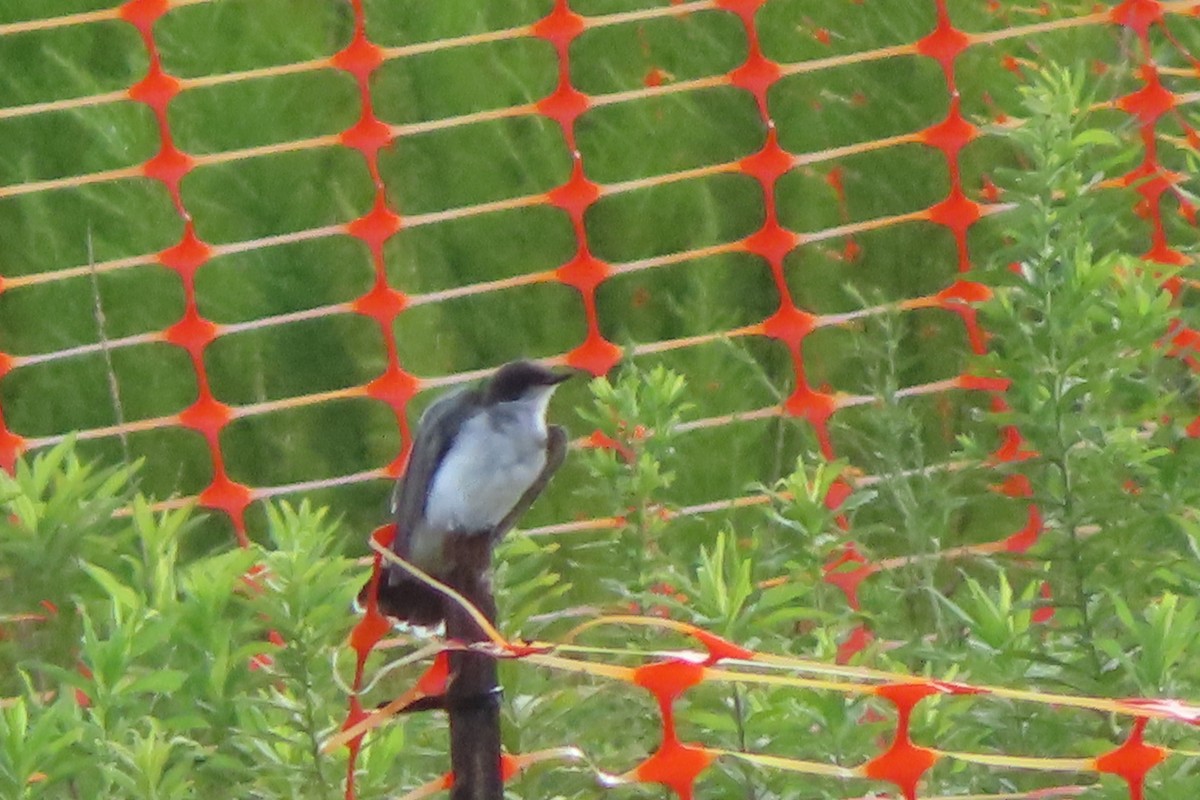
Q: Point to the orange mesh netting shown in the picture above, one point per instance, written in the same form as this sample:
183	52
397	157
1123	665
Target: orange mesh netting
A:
902	763
215	418
160	188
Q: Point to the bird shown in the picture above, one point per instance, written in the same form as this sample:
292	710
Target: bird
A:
480	457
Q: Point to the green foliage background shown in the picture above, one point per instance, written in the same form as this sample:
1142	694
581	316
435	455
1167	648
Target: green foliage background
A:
459	166
181	715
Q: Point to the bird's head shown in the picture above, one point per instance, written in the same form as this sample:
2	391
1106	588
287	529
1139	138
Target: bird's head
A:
522	380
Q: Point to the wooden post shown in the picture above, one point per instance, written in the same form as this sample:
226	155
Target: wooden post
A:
473	693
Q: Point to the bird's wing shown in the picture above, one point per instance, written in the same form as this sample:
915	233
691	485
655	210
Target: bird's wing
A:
556	452
435	432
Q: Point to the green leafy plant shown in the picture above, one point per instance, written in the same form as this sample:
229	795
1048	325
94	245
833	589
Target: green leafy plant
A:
636	417
158	679
1082	332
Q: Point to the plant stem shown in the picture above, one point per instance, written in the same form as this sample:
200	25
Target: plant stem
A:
739	717
310	728
1061	460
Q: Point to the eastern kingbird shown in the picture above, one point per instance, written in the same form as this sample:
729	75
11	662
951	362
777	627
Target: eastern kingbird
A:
480	458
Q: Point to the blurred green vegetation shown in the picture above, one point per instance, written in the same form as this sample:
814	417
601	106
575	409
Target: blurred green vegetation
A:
475	163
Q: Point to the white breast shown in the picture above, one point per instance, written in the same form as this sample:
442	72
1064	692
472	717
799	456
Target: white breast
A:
496	456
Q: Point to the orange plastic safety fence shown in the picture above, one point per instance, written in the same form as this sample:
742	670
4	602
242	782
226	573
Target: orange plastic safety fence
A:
676	764
394	386
790	324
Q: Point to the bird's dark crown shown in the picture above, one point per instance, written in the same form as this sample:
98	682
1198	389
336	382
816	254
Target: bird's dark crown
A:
516	378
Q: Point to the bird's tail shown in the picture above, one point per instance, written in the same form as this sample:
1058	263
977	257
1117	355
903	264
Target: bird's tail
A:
407	600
